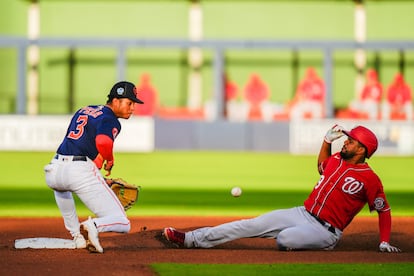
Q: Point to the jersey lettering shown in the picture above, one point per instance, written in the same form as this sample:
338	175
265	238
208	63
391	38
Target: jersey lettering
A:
352	186
92	111
80	127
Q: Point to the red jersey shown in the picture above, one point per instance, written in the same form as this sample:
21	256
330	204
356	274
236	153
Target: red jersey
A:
343	190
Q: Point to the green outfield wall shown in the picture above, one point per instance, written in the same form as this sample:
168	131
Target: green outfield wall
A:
93	69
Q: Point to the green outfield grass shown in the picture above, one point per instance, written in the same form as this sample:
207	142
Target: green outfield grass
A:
284	269
198	183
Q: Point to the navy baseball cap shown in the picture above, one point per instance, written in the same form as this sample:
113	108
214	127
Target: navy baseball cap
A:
124	89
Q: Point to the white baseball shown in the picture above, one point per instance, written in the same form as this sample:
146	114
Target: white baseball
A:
236	191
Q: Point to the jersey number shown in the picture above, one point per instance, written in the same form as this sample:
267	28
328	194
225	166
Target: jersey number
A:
80	127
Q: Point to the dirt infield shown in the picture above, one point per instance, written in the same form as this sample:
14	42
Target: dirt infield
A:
130	254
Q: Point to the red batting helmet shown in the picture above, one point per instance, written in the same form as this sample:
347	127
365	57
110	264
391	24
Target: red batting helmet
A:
364	136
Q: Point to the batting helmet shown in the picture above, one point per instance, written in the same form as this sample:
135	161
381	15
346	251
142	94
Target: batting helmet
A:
364	136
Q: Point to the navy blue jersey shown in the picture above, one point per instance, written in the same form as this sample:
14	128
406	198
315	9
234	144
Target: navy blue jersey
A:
85	125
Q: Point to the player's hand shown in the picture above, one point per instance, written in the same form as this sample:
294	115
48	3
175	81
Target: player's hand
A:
386	247
108	167
334	133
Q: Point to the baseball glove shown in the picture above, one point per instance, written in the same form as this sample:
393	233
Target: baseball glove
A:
127	193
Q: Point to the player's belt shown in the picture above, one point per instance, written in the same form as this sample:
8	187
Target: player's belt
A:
70	157
324	223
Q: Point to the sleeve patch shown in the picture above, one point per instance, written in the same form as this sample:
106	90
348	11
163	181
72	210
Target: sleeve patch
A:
379	203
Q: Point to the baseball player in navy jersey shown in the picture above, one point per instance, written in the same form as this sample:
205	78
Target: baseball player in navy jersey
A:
87	148
345	185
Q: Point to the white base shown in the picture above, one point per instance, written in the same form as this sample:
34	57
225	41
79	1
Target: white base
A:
39	243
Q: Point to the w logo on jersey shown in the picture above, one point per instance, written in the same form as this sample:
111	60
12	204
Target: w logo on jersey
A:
352	186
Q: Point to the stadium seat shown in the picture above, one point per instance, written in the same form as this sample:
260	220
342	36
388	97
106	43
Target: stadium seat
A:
368	103
398	101
256	92
148	94
308	102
